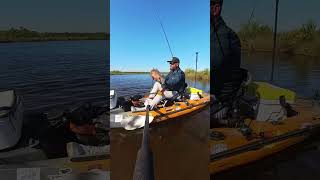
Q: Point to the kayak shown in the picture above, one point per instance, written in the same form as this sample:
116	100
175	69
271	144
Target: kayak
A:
131	120
50	142
83	158
11	119
231	148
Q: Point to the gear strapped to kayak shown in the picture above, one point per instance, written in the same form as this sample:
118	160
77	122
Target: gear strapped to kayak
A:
261	120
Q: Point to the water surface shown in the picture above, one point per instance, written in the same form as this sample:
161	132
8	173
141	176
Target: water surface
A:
53	74
133	84
177	145
298	73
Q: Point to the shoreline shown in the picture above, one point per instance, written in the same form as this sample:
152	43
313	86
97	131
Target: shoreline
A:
126	73
51	40
203	76
22	34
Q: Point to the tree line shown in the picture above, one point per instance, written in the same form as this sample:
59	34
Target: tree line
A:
23	34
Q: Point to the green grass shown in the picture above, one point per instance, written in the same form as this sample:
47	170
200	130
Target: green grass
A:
203	75
25	35
304	40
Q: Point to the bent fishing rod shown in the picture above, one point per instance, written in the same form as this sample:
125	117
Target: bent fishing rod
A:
163	30
168	43
215	28
274	40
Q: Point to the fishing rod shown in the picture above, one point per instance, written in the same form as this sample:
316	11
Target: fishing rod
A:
195	75
163	30
251	16
252	12
144	163
274	40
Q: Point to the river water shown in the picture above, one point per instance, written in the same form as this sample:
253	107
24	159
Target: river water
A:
128	85
178	145
55	74
51	74
298	73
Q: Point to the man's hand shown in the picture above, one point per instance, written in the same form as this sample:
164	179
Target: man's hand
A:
161	92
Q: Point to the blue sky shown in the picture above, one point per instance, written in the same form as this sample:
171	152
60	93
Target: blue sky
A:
292	13
138	43
56	15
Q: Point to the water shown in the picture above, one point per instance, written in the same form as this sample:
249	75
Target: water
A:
53	74
179	147
128	85
299	73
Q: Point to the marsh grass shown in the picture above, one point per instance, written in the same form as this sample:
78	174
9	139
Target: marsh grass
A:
203	75
304	40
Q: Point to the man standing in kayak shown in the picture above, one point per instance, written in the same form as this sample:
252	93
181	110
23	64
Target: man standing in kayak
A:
173	84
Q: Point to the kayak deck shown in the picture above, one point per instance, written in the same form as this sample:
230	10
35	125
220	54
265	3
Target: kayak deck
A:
236	149
177	109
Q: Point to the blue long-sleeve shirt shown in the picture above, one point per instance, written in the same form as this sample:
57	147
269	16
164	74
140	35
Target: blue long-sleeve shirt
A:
225	50
225	46
175	81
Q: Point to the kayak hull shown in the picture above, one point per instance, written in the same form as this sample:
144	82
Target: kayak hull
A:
270	138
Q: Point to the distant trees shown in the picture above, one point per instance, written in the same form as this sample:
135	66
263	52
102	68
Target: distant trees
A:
24	34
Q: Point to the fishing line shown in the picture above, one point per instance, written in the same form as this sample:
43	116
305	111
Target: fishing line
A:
253	11
217	35
163	30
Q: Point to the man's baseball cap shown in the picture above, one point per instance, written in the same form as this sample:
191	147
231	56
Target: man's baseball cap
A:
216	2
174	60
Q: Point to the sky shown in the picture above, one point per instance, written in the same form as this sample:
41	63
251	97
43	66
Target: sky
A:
292	13
56	15
138	43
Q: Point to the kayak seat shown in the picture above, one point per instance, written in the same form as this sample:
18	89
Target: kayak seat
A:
179	97
290	112
7	102
228	83
228	89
